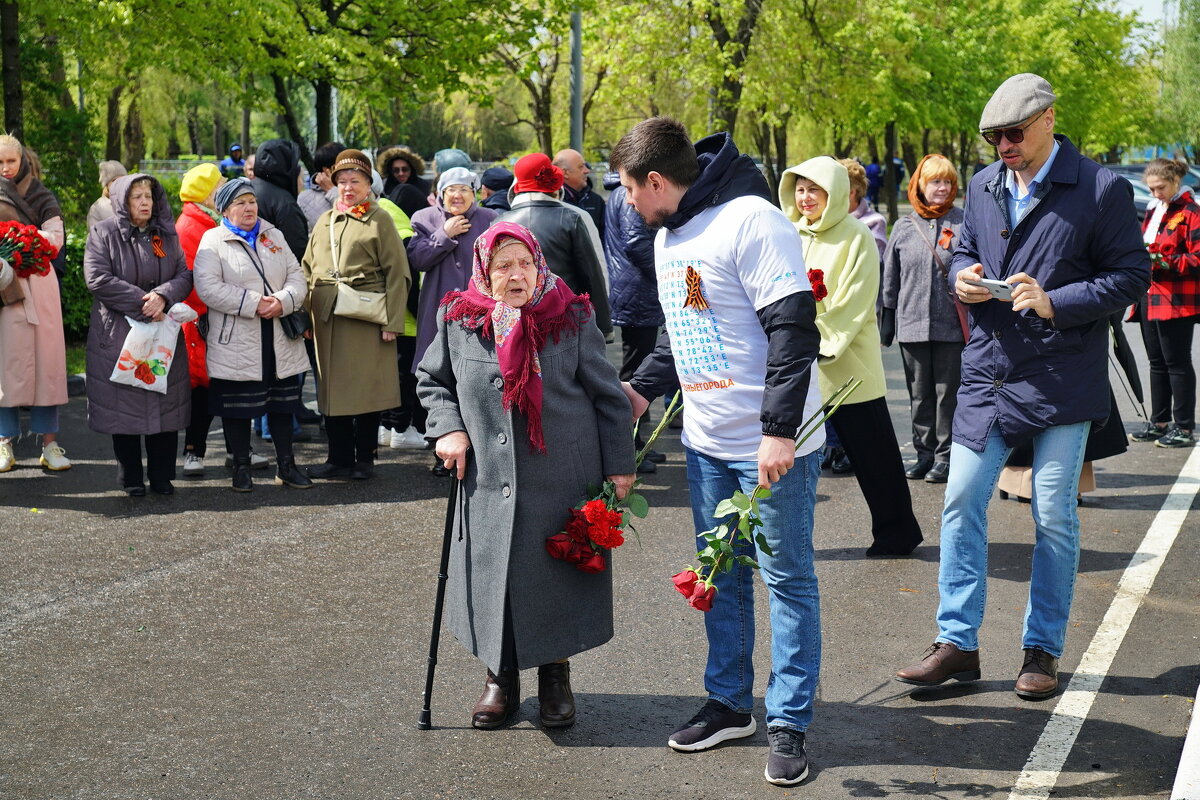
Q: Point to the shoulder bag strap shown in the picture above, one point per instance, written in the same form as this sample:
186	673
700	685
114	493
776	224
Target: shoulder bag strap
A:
919	222
254	260
333	249
959	308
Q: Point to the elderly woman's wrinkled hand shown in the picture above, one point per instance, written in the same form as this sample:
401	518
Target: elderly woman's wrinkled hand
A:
623	484
153	305
453	448
456	226
270	307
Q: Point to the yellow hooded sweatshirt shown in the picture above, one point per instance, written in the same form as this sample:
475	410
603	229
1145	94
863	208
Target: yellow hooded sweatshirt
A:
844	250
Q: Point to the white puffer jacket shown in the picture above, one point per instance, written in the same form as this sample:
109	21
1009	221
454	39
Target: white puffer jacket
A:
229	283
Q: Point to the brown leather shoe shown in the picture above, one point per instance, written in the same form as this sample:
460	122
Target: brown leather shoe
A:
1039	675
554	695
500	699
941	662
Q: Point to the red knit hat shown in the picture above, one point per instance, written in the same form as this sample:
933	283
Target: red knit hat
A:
535	173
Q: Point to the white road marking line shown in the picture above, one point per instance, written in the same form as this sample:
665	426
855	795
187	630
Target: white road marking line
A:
1187	779
1054	745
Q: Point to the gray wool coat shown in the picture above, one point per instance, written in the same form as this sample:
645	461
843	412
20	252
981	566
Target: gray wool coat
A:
515	498
119	266
914	285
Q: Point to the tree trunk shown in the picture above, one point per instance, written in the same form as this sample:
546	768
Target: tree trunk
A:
289	118
193	129
543	120
173	147
910	156
135	137
324	107
781	146
112	140
964	159
925	134
873	148
890	178
10	66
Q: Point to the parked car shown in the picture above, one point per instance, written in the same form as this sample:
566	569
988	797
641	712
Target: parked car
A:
1136	171
1141	196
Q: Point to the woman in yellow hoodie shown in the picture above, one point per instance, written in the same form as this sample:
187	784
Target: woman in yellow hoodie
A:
815	195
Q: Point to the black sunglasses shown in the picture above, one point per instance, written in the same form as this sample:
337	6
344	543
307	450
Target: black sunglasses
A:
1014	135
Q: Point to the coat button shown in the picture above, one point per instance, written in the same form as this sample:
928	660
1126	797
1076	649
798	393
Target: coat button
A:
501	438
995	334
997	384
507	492
498	383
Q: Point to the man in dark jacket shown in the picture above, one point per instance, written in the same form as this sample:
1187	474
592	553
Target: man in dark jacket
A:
276	185
566	235
577	189
1058	237
741	337
493	190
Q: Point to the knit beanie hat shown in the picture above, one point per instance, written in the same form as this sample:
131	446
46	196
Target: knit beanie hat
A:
111	170
535	173
352	159
456	176
449	159
232	191
198	183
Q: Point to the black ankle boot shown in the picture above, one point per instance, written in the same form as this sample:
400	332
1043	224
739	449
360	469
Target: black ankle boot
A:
241	474
554	695
288	474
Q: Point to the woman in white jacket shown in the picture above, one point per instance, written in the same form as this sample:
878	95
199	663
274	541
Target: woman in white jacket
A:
248	277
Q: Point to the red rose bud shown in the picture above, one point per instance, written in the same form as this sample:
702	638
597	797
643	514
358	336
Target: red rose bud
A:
594	562
685	581
702	597
559	546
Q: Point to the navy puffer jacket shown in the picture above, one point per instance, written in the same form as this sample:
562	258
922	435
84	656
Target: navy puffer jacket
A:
629	247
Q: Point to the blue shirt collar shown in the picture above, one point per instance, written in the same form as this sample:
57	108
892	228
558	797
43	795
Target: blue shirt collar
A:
1010	178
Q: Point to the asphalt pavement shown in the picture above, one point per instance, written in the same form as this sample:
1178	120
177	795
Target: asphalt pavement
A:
273	645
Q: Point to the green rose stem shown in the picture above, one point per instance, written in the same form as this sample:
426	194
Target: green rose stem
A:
722	538
672	411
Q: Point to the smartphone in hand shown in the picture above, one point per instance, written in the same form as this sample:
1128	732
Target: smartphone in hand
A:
998	289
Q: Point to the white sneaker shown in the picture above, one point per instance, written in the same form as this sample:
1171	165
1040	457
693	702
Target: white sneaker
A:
256	461
54	458
193	465
409	439
7	460
385	436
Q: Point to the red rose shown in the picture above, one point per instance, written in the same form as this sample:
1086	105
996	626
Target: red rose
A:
593	562
816	279
607	537
685	581
1153	247
702	597
559	546
596	511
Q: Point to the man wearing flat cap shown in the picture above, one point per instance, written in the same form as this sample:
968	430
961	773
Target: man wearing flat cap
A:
1058	237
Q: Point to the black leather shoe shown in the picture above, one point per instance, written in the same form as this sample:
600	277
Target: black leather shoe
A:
919	470
362	471
166	487
655	456
288	474
500	700
938	473
329	472
307	417
555	699
135	491
647	467
241	474
840	465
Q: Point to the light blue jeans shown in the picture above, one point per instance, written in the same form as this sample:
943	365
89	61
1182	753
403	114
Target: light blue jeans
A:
791	583
962	577
42	419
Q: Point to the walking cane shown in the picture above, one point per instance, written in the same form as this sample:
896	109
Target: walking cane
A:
423	721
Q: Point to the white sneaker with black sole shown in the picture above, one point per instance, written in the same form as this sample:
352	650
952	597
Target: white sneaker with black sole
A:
408	439
256	461
713	724
787	763
193	466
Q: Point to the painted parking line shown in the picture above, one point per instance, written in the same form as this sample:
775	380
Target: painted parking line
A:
1187	779
1054	745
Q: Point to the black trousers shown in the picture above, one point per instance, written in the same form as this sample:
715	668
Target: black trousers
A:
352	438
933	371
195	437
160	457
409	412
237	435
865	430
1172	375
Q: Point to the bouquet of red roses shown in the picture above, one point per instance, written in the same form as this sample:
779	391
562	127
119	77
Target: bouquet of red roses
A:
599	524
25	249
742	521
1158	254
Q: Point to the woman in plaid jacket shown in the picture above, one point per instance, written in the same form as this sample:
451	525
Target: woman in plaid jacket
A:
1169	312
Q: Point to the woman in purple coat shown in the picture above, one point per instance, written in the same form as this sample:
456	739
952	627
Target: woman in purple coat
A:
442	248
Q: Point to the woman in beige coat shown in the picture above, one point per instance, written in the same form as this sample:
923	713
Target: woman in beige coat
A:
33	354
355	243
247	276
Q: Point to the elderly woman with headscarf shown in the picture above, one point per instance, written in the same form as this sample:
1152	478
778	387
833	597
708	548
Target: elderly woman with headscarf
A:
843	266
920	312
526	455
135	268
33	368
355	244
248	277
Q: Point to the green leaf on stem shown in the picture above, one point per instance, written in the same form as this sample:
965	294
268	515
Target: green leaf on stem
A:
637	505
760	541
747	561
725	508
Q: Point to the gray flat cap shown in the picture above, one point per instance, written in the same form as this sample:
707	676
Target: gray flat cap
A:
1017	99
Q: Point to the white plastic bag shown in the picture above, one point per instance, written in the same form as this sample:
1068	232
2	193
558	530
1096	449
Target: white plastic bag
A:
149	349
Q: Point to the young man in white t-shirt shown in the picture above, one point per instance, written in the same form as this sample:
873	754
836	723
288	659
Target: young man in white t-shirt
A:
742	341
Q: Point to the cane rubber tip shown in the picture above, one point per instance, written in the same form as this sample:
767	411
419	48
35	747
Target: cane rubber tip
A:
423	722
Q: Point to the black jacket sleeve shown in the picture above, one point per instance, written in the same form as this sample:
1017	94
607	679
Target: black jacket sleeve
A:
656	374
793	342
